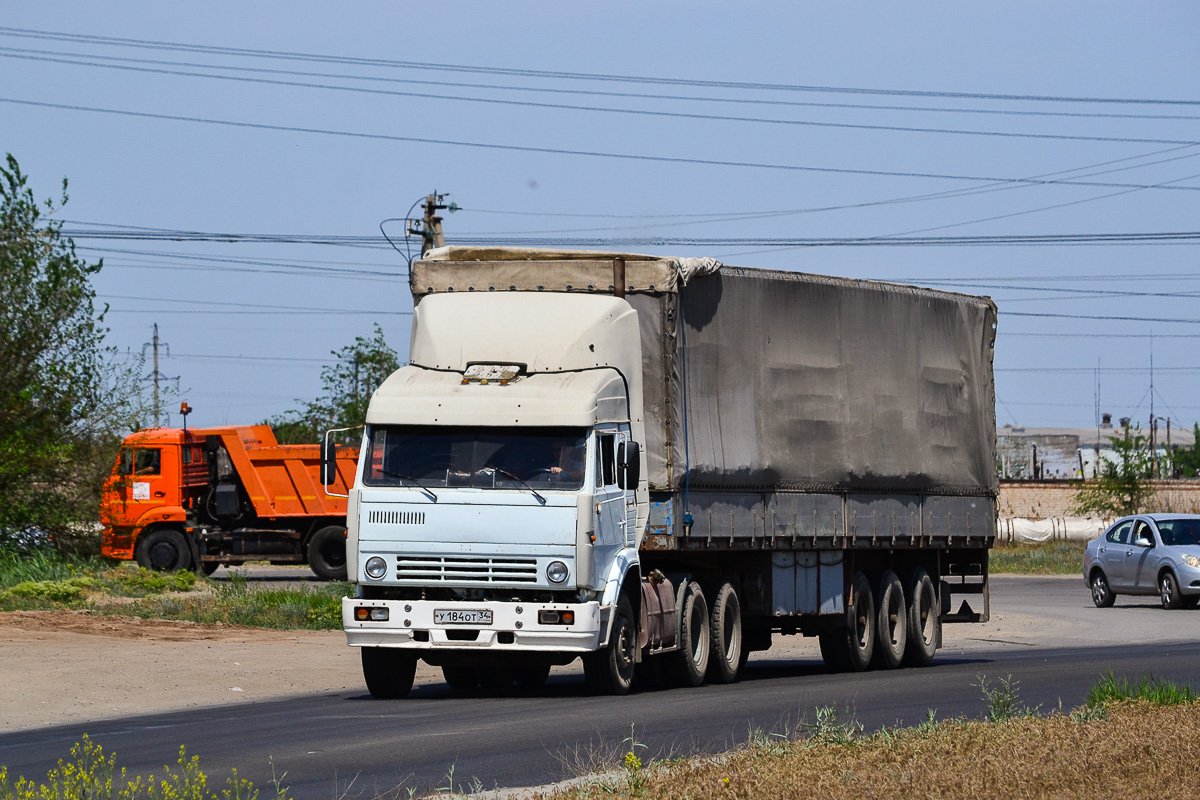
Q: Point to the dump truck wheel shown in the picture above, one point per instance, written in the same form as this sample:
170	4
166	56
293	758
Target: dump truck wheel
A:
610	671
725	636
689	664
924	619
327	553
891	622
163	550
388	672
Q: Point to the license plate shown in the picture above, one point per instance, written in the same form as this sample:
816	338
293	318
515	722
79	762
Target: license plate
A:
461	616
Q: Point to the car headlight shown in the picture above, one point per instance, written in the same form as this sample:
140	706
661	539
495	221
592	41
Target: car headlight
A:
1191	561
556	571
376	567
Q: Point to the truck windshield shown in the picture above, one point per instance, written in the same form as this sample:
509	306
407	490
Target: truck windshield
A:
485	458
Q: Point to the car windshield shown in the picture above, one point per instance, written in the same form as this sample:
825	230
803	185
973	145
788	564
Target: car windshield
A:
482	458
1176	532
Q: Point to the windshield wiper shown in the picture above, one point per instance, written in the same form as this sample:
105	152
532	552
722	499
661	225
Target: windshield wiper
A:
413	481
508	474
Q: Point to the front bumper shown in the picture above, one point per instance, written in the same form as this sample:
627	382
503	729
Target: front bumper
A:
514	627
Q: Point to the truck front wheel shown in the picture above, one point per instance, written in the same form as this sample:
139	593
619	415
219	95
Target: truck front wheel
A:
389	672
610	671
163	550
327	553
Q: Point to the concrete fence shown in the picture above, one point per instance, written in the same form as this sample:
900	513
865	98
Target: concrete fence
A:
1040	511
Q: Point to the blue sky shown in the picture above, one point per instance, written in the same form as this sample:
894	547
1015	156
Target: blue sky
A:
811	97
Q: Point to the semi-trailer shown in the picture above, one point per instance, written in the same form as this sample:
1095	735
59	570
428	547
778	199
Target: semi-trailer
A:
656	465
196	499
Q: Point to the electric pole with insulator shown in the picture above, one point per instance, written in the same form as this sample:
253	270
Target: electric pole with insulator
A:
430	228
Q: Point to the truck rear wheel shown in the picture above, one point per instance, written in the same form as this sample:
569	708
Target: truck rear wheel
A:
610	671
924	620
891	622
163	550
860	619
327	553
388	672
725	636
689	664
460	679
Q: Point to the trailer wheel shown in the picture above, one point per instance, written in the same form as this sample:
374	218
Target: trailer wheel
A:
891	623
327	553
163	550
690	662
860	641
460	679
389	672
610	671
725	636
924	619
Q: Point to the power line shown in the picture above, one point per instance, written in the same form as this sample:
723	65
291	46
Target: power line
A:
608	110
561	75
586	153
1102	317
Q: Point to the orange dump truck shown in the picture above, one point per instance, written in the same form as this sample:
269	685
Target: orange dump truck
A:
197	499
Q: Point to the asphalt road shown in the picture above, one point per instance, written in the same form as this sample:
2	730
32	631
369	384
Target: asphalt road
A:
328	742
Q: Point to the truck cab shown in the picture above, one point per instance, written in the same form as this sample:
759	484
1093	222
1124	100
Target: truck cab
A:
500	498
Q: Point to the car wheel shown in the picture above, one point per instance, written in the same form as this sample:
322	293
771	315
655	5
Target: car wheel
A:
1168	589
1102	593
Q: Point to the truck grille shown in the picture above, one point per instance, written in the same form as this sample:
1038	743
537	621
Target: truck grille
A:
465	569
396	517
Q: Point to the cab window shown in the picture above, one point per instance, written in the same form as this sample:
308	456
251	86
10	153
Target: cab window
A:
140	461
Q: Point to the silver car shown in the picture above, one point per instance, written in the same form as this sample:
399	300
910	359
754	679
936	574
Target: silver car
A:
1146	554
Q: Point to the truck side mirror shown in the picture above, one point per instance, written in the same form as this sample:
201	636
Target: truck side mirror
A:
629	464
328	462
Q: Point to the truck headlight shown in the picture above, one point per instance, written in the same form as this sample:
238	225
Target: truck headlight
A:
376	567
556	571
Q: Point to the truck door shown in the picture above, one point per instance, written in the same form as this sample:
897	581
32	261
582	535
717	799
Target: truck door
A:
630	497
610	501
152	478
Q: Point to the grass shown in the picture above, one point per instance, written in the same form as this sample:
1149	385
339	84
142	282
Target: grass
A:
1134	739
315	607
91	773
1056	557
43	580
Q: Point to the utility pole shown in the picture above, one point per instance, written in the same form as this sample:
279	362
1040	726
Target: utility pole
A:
430	227
155	344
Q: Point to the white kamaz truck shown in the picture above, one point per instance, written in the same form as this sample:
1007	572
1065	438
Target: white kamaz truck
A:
656	464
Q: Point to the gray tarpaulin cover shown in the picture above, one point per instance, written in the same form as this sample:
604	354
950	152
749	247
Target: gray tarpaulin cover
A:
790	381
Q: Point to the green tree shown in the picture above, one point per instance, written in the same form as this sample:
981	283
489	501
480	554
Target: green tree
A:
1123	486
347	385
64	396
1185	462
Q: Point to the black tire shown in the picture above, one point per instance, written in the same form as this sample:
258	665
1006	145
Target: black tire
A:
208	567
1102	594
532	674
1191	600
460	679
860	623
1168	591
835	649
494	678
891	622
688	665
726	643
389	672
651	672
924	619
610	671
163	550
327	553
